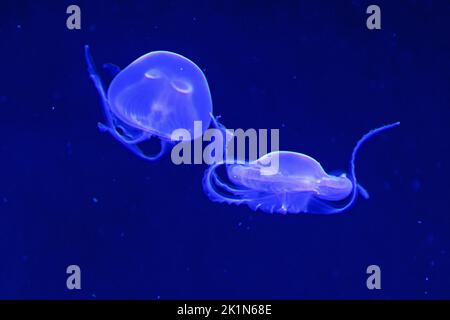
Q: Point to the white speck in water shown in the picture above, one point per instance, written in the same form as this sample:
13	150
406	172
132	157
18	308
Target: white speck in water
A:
94	200
419	221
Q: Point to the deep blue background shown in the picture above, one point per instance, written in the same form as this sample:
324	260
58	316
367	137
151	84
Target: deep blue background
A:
310	68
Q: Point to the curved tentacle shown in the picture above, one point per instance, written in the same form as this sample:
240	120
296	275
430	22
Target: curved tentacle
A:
324	207
112	68
211	182
363	192
111	126
98	85
134	147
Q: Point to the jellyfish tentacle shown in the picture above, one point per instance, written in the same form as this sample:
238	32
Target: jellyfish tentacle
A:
227	136
112	68
98	85
325	208
102	127
134	147
111	126
210	179
95	77
358	145
237	191
363	192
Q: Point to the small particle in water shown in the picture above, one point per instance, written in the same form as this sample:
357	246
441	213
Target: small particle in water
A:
194	18
416	185
19	26
122	234
158	297
53	108
94	200
94	295
239	224
69	149
419	221
426	279
294	77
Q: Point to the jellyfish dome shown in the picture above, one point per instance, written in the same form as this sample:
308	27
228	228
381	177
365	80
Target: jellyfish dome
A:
155	95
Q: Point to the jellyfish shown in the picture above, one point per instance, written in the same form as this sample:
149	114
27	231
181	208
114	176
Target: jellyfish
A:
297	184
152	97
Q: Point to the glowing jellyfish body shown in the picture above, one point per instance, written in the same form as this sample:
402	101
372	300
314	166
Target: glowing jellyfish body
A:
297	184
153	96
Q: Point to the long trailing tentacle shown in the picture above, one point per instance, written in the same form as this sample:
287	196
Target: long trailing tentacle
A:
326	207
111	126
98	85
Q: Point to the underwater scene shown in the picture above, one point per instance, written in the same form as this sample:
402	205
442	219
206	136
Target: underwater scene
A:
283	150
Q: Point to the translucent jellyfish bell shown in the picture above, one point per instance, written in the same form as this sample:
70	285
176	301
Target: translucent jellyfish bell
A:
156	94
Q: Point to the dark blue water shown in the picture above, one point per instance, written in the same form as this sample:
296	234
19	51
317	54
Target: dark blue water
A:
70	194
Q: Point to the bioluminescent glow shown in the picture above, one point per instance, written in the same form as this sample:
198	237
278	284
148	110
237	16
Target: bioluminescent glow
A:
298	184
156	94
